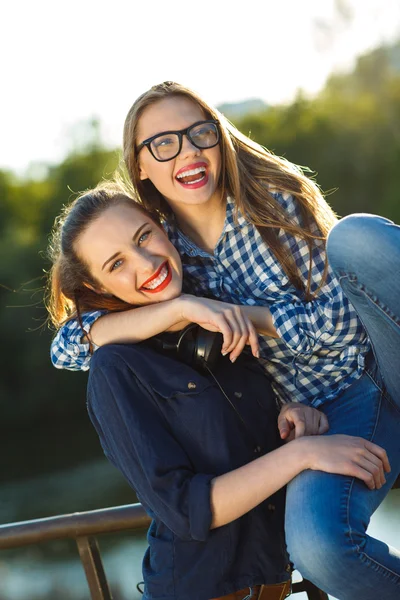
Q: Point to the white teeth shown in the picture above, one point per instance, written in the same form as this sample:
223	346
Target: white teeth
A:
158	281
191	172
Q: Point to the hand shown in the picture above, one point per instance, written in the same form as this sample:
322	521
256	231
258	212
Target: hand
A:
236	328
348	455
296	420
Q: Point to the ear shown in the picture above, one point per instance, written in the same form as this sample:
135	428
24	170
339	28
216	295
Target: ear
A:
142	172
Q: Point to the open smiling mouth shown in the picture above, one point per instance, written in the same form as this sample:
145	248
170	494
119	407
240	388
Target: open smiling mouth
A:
159	280
193	177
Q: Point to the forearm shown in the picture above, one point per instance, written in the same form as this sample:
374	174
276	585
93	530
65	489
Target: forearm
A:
237	492
138	324
261	318
234	494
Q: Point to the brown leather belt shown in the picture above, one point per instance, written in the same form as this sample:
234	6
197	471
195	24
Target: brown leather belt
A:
277	591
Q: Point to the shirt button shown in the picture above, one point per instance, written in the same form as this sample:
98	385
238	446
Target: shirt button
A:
271	507
288	568
191	385
257	450
238	394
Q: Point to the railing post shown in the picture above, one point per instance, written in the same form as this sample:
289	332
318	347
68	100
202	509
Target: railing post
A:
94	570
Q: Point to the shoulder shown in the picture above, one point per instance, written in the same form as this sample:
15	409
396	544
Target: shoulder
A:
163	374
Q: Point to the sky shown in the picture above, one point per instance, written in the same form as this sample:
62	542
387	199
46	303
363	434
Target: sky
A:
66	62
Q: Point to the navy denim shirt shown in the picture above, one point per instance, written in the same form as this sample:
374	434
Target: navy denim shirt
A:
170	430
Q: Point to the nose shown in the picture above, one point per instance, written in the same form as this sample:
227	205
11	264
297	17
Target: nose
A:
145	261
188	149
142	264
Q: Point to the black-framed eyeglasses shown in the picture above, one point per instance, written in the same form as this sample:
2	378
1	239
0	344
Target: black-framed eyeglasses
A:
168	144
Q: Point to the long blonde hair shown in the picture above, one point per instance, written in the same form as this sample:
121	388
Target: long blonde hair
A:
249	173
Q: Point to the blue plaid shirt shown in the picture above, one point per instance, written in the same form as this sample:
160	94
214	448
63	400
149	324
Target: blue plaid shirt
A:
321	346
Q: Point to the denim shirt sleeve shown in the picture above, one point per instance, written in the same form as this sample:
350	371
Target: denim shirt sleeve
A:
137	439
67	350
327	321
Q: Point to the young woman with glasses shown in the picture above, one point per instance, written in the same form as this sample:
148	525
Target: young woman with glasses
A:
202	451
252	229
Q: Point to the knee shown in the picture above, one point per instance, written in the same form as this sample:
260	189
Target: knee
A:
357	242
321	554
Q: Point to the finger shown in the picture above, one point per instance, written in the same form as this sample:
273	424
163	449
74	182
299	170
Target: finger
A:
296	420
238	348
244	333
283	426
226	331
249	337
310	421
380	453
299	427
374	460
323	425
375	471
364	475
254	341
235	329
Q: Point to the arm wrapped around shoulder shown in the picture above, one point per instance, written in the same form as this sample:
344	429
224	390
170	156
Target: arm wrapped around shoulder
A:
69	349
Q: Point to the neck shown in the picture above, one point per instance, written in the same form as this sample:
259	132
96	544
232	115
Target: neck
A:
203	223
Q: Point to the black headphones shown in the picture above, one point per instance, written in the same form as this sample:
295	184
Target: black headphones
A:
193	345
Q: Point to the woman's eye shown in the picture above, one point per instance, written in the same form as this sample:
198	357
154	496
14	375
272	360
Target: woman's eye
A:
144	237
116	264
163	142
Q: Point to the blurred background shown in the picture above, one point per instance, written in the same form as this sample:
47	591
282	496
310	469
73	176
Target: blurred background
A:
316	82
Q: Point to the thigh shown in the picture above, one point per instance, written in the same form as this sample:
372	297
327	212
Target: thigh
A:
364	410
383	329
334	502
364	253
327	515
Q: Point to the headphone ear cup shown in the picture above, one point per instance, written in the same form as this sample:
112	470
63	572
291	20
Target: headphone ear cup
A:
208	348
194	346
186	344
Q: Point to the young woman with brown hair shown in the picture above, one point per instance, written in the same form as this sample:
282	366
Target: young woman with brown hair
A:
202	456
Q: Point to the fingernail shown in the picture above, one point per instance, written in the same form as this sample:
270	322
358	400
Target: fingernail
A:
224	352
233	359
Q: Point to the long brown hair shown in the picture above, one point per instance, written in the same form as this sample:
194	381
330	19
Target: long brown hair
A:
69	290
249	173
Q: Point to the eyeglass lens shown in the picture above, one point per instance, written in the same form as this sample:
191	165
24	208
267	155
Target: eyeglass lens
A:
168	145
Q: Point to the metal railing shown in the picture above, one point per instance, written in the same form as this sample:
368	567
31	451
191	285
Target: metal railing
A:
84	526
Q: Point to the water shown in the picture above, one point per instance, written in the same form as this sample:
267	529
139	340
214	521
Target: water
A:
53	570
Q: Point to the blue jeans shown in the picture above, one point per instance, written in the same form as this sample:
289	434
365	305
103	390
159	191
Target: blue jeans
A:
327	515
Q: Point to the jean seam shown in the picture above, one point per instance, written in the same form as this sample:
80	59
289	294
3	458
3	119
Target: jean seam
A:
371	437
363	555
378	386
382	568
352	279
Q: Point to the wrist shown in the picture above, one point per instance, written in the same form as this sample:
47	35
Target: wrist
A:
181	307
178	307
310	452
305	454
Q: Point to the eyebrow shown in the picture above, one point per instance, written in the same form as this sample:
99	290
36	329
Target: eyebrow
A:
135	237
